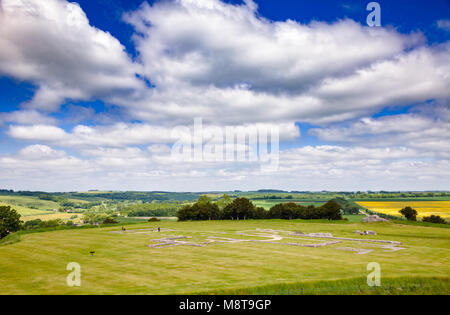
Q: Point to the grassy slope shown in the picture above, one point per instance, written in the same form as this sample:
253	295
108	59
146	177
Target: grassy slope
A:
389	286
40	208
25	211
23	205
10	239
124	265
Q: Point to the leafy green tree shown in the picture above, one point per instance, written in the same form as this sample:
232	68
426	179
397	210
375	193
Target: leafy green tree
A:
290	211
285	211
347	206
201	210
109	220
310	213
331	211
276	212
260	213
239	209
9	221
224	201
206	211
51	223
184	213
45	197
409	213
204	199
434	219
32	224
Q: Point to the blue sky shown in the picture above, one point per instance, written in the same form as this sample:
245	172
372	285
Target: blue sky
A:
405	15
90	92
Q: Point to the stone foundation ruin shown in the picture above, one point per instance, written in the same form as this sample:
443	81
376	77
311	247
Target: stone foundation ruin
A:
267	236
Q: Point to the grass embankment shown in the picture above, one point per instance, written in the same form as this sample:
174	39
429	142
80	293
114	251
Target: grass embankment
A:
358	286
10	239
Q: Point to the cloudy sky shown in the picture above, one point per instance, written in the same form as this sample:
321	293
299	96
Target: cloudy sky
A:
91	91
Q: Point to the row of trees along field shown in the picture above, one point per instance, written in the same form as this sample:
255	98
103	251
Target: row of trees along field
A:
244	209
151	209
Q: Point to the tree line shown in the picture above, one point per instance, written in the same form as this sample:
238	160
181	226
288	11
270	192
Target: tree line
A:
244	209
151	209
411	215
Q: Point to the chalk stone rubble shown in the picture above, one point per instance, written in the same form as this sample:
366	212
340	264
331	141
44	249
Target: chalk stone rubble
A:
274	237
366	232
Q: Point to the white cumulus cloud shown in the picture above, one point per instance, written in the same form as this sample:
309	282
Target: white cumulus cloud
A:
51	44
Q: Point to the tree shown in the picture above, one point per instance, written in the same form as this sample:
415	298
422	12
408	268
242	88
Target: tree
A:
201	210
204	199
409	213
9	221
434	219
260	213
109	220
205	211
290	211
276	211
45	197
347	206
331	211
285	211
310	213
224	201
51	223
32	224
184	213
239	209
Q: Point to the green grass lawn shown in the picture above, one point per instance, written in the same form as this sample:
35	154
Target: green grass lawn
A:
123	264
357	286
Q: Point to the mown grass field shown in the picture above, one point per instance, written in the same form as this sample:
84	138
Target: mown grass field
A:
390	286
123	264
424	208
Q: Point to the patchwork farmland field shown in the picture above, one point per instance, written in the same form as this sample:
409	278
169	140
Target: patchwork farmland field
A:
29	206
267	204
424	208
262	257
53	216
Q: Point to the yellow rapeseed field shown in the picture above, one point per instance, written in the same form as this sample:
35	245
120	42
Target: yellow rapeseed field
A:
424	208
